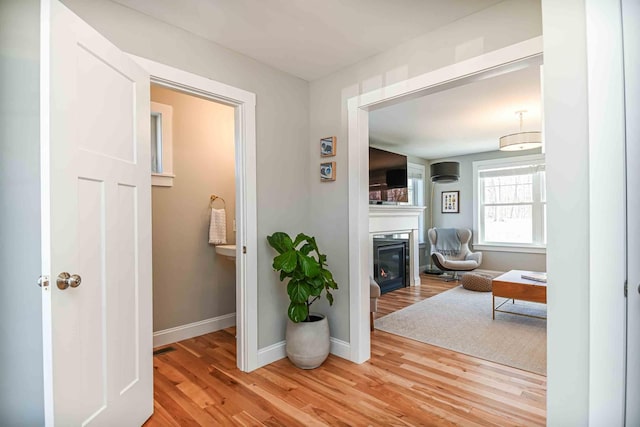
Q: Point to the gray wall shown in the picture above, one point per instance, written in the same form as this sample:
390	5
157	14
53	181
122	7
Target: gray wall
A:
491	260
282	113
190	281
496	27
21	386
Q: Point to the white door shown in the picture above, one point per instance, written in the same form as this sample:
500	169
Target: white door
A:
631	34
97	225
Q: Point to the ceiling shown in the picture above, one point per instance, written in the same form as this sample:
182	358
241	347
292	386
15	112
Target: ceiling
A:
463	120
313	39
305	38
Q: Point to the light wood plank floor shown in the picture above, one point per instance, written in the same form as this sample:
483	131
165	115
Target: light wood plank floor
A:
404	383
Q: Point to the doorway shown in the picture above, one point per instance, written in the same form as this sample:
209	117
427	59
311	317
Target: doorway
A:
499	203
495	63
243	104
193	215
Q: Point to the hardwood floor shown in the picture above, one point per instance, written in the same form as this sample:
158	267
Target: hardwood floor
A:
404	383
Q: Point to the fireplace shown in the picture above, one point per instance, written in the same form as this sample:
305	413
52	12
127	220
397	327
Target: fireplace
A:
393	223
391	262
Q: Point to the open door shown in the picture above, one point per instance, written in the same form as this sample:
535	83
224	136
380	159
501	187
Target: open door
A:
96	225
631	40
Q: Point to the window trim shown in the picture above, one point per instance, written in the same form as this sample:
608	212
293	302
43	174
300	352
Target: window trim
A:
502	162
421	169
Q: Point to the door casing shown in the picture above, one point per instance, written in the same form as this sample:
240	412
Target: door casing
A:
491	64
631	55
244	104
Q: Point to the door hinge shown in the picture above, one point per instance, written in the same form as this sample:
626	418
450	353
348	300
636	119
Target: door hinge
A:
244	249
626	289
43	282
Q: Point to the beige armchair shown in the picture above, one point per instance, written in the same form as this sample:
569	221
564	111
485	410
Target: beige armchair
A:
457	259
374	294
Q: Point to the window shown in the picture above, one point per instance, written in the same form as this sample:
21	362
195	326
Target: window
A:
510	203
161	145
156	142
415	181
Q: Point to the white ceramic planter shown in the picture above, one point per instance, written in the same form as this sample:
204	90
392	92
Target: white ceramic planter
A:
308	342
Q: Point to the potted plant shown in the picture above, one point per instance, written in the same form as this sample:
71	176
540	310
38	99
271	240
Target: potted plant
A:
300	261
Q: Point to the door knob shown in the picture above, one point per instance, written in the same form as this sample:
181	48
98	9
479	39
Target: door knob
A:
65	280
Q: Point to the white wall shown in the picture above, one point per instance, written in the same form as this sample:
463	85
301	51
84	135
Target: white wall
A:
282	127
21	383
491	260
607	213
506	23
585	249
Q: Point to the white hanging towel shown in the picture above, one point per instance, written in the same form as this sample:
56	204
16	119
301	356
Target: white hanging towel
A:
218	227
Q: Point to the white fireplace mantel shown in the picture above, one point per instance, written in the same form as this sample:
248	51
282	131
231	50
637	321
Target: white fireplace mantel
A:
386	219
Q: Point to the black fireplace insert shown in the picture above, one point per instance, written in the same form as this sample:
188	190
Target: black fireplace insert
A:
391	262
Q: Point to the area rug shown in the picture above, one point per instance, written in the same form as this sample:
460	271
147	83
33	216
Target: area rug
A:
460	320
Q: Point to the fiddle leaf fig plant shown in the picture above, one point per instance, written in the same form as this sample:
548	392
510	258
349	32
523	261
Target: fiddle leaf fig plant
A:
301	262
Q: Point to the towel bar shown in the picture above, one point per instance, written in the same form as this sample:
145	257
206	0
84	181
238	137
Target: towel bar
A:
213	198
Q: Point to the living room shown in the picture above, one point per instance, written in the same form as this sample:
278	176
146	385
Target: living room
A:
464	174
464	125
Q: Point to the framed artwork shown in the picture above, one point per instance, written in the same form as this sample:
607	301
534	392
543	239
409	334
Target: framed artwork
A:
328	171
328	146
450	202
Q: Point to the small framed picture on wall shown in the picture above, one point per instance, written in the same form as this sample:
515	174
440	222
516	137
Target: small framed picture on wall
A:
328	146
328	171
450	202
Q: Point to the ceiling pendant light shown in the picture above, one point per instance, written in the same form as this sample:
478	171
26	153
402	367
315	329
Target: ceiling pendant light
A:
521	140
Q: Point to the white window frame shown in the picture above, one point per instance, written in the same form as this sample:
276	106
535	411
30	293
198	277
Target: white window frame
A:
419	199
165	178
538	226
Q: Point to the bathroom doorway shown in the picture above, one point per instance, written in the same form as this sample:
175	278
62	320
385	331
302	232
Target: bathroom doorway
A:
193	182
243	104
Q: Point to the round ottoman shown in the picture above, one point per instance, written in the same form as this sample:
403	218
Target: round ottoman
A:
477	282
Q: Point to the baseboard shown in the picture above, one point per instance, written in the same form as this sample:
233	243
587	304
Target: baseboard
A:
271	354
184	332
340	348
277	351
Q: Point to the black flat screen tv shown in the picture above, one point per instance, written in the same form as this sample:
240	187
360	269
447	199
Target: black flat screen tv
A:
387	177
